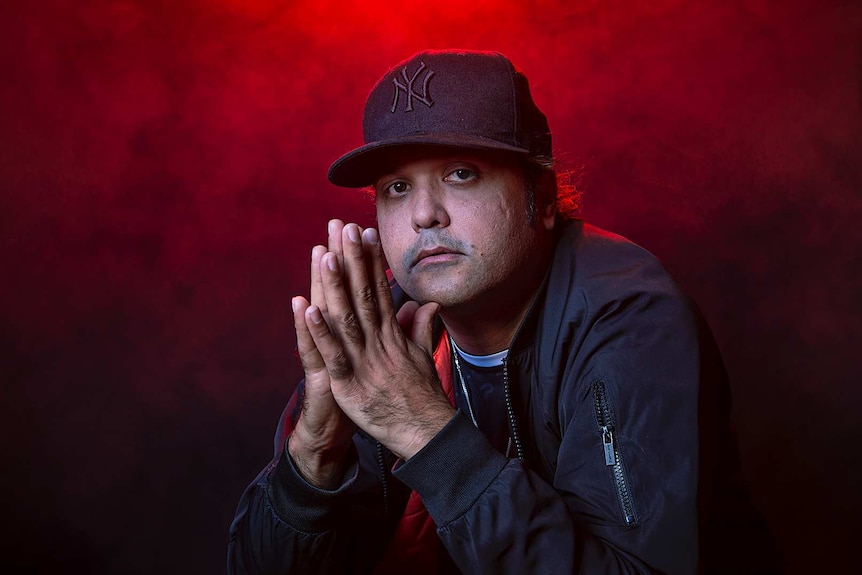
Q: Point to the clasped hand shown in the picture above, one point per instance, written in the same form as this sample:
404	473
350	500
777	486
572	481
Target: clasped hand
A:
362	369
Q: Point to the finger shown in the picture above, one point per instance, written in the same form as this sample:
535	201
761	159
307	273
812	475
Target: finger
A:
377	270
355	279
312	362
423	326
405	316
327	344
342	319
316	282
334	229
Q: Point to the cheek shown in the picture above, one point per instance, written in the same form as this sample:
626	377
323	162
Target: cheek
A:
392	247
495	221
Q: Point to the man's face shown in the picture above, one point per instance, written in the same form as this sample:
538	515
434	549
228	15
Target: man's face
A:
455	228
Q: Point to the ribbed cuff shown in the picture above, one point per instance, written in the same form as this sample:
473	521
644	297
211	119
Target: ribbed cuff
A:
299	503
452	470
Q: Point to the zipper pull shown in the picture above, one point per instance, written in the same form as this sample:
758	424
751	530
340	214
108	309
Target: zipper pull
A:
608	442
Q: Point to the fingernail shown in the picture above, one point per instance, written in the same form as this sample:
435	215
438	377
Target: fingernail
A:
315	315
294	304
330	226
353	233
371	236
331	263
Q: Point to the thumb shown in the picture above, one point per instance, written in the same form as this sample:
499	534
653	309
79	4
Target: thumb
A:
405	316
423	326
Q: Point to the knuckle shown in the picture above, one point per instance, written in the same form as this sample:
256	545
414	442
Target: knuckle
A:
365	296
304	363
339	367
382	285
309	359
350	327
309	366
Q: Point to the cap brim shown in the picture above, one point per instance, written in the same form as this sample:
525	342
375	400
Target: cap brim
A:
362	166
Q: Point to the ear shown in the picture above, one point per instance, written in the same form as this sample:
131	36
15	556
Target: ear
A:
546	198
547	215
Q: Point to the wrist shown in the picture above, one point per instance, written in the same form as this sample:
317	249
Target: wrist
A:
322	467
423	431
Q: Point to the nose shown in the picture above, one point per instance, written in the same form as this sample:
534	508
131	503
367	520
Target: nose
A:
429	207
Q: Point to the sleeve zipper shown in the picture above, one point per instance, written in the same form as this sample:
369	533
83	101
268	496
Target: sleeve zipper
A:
612	454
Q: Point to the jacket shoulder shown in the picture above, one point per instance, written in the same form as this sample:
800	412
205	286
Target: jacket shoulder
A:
605	264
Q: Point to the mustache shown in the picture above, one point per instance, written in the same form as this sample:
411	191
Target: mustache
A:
430	242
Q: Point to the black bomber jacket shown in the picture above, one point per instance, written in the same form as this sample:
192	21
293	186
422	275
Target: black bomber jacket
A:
620	407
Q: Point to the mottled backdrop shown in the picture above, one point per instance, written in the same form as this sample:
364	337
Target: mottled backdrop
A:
162	181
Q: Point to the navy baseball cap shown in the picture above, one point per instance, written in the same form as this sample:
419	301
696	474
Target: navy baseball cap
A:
449	98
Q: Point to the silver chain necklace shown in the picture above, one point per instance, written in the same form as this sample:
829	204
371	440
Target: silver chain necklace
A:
461	380
470	404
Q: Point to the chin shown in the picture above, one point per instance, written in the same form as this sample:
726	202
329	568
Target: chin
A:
449	299
423	294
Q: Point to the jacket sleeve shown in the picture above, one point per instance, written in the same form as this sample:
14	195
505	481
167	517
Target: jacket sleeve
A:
283	524
619	492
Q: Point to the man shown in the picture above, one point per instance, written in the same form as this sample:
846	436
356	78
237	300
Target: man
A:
530	394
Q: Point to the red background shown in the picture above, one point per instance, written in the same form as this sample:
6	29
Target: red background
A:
162	181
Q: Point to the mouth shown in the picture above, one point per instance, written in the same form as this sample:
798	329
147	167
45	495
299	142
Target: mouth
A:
437	254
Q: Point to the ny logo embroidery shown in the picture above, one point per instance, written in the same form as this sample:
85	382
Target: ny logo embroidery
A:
409	92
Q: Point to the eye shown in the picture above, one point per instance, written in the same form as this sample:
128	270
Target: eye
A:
461	175
396	188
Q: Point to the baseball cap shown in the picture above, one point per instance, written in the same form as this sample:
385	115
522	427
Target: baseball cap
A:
452	98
